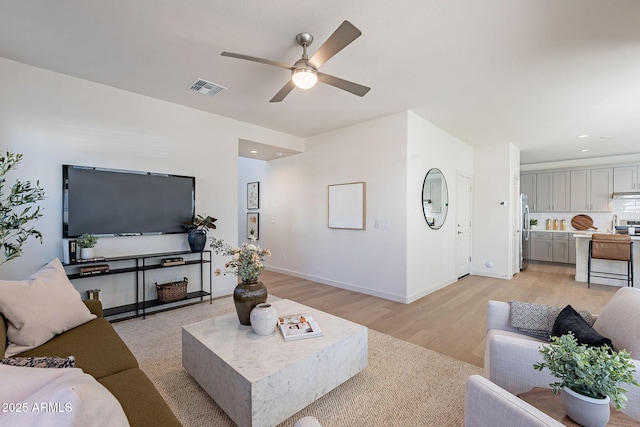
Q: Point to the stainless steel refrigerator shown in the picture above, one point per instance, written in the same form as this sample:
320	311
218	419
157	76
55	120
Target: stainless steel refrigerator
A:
525	230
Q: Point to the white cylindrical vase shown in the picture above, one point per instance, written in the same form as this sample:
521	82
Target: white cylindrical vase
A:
264	319
584	410
87	253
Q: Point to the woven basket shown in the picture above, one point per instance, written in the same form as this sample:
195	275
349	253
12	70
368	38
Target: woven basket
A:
173	291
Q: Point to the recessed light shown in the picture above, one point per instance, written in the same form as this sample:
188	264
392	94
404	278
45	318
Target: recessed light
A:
584	150
253	152
582	136
278	154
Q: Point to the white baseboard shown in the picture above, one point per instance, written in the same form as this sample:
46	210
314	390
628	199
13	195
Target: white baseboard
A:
432	289
495	276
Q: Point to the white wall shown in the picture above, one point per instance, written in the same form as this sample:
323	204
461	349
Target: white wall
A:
431	253
372	261
55	119
391	154
495	167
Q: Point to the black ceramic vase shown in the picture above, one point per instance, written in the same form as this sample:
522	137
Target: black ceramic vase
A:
246	296
197	239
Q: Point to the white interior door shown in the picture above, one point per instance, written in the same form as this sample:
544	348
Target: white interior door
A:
463	214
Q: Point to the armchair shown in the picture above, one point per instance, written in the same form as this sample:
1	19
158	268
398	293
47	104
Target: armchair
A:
509	354
487	404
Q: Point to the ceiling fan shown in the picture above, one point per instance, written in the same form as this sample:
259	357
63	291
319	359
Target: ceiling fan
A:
304	73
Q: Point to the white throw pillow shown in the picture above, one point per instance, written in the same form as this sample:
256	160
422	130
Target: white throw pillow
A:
56	398
40	307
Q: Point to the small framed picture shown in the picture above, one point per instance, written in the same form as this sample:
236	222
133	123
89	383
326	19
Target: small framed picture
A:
253	226
253	195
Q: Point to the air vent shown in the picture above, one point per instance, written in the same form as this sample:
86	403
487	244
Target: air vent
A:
206	88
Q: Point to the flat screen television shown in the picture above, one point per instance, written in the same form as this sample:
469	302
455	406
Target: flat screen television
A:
119	202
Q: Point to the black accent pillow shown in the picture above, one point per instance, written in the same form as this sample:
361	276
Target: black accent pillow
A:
570	320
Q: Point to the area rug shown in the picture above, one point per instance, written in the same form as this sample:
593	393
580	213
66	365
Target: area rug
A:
404	384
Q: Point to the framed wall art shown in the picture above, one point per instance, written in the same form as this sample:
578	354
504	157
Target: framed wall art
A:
253	195
253	226
347	206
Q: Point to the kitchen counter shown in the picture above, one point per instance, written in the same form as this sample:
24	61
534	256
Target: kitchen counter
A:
620	267
543	230
587	235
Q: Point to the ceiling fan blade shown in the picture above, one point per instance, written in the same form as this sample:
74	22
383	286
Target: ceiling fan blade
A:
283	92
343	36
352	87
255	59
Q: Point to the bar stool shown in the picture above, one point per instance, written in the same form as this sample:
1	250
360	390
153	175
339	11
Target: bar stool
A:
614	247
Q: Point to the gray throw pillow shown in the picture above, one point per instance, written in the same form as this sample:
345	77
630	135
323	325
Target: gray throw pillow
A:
537	319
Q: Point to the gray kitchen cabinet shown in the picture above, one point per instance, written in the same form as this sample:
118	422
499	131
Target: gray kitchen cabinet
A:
553	192
541	246
544	185
551	247
572	249
591	190
560	252
580	190
601	190
528	187
625	178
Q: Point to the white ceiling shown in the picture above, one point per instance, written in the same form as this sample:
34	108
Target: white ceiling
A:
535	72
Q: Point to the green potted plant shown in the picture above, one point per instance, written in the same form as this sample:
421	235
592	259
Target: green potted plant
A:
589	378
197	231
16	211
87	242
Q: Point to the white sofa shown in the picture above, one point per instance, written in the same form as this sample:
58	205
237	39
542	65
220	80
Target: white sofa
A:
509	355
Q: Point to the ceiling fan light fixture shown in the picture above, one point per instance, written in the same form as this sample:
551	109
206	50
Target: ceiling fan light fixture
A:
304	78
304	73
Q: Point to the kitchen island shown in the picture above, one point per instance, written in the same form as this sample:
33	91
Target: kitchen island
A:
620	267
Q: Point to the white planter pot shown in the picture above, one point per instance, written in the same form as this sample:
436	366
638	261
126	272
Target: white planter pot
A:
264	319
584	410
87	253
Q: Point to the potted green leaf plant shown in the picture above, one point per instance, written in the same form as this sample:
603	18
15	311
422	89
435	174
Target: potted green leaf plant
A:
247	262
197	231
87	242
589	377
16	210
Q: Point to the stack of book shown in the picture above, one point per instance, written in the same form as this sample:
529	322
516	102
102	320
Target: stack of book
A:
94	259
166	262
73	251
298	326
94	269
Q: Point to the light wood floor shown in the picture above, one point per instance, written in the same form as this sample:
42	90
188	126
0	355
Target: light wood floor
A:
452	320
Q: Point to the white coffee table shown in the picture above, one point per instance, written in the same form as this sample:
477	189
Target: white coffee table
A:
263	380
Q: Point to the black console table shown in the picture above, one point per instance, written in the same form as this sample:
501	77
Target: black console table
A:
142	264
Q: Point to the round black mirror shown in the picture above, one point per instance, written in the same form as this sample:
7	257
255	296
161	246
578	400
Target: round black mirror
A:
435	198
